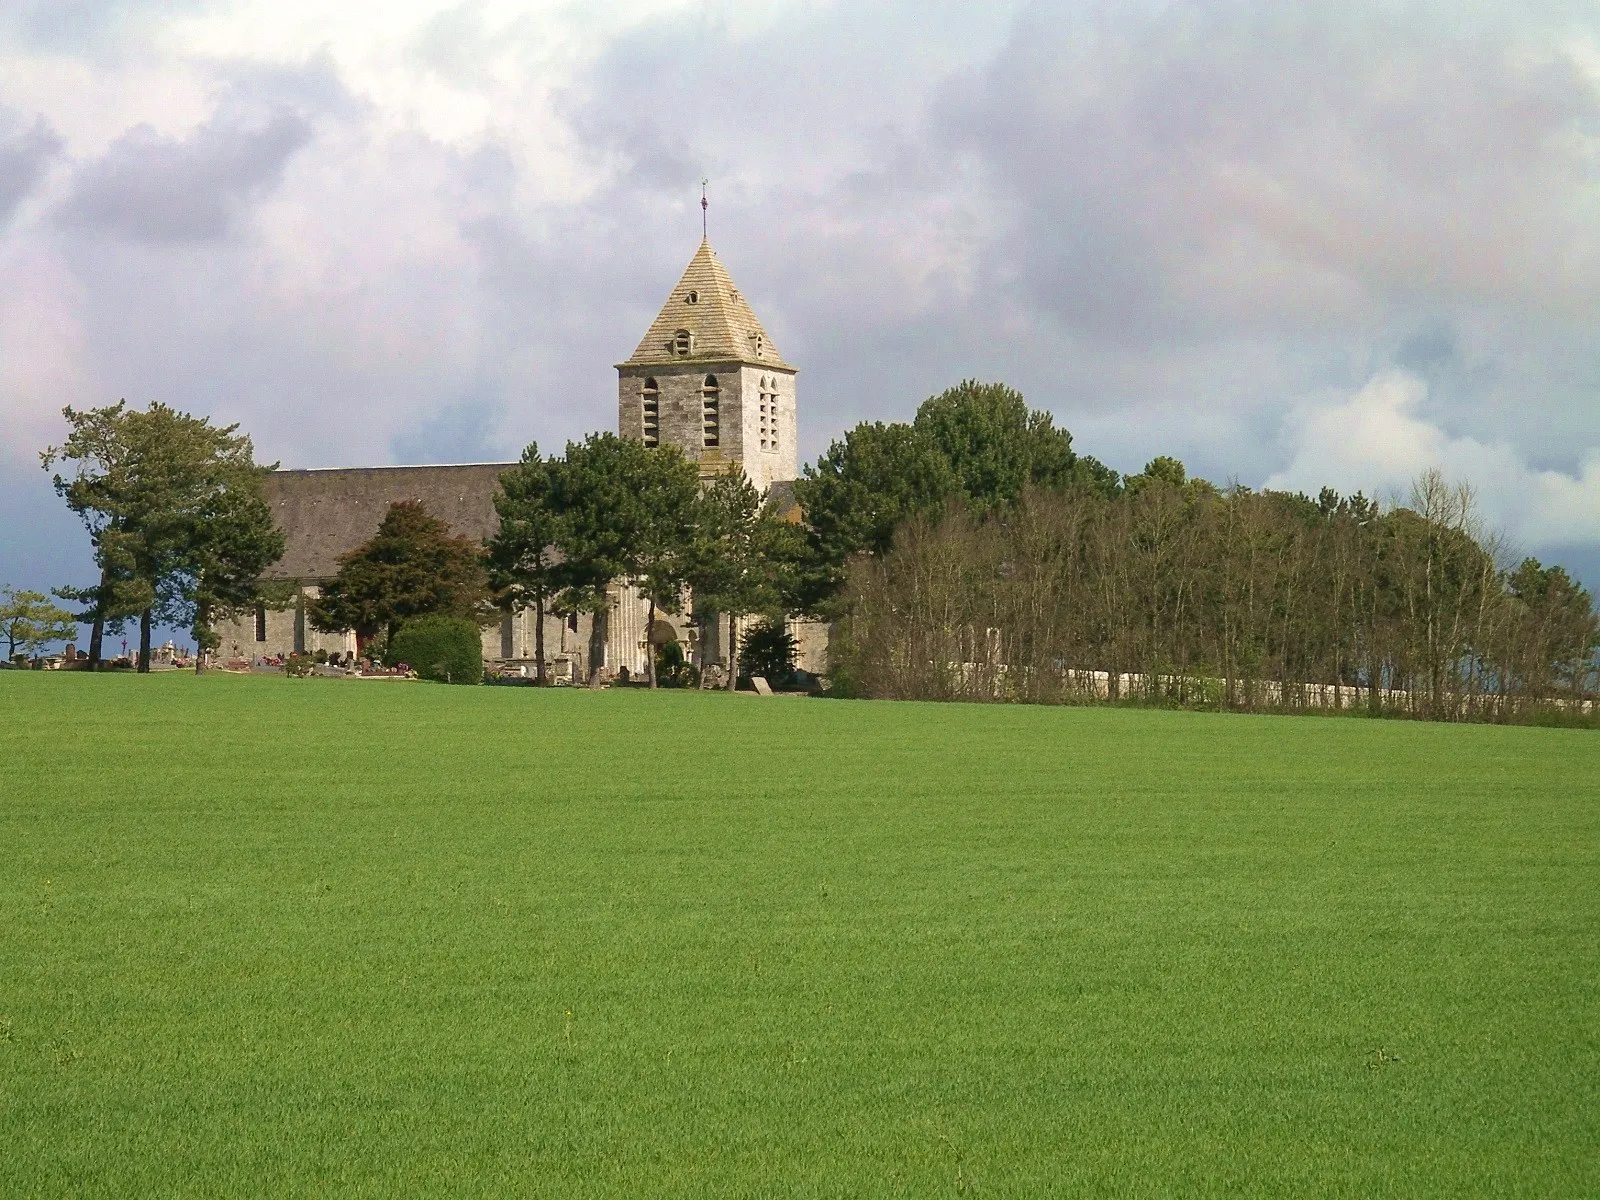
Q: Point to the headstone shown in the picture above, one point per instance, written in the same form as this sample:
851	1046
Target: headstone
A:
71	652
762	687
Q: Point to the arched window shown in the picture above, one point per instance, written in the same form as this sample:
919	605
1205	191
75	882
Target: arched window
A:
650	406
682	343
711	411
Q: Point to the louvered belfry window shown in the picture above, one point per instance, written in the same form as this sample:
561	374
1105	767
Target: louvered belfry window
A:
769	413
650	396
711	411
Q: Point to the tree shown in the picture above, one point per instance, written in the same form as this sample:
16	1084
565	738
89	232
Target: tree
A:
976	441
768	652
741	554
524	568
1557	633
29	620
175	511
627	510
995	446
232	540
662	559
411	567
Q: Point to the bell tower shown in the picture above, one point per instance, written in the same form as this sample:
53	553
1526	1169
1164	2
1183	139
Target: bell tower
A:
707	379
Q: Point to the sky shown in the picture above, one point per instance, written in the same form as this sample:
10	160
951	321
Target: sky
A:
1292	245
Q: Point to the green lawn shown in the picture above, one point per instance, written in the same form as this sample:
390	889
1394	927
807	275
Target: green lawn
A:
260	935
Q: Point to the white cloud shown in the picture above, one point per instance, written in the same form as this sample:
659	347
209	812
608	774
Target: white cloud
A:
1160	226
1376	441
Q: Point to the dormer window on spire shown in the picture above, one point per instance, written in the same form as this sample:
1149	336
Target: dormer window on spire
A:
682	343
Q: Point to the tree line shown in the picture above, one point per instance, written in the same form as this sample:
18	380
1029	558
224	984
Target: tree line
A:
970	552
1182	592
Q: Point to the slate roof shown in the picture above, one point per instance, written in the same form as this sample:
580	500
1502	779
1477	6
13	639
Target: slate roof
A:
325	513
718	318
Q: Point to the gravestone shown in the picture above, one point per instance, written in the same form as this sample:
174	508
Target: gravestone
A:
762	687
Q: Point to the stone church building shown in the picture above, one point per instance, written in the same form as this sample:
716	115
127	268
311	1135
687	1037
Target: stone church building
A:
706	378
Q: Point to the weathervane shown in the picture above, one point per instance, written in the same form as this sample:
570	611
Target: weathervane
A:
704	204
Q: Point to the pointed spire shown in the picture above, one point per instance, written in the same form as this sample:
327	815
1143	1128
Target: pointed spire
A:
707	318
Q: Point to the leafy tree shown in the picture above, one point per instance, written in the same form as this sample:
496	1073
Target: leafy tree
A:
411	567
106	605
978	442
743	558
233	539
175	511
995	446
524	568
1559	632
28	620
663	558
627	510
858	493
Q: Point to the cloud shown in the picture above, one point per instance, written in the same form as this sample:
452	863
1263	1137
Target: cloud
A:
25	154
79	25
1376	440
148	187
1256	167
465	432
427	229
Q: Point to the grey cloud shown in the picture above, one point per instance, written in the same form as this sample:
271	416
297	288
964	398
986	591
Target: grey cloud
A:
462	432
103	27
153	188
1249	168
25	155
1169	231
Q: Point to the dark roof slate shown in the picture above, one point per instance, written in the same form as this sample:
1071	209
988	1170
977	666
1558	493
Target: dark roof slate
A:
326	513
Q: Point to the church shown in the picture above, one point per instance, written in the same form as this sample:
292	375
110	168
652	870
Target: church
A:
705	378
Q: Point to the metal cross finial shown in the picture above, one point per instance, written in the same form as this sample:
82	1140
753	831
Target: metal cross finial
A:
704	204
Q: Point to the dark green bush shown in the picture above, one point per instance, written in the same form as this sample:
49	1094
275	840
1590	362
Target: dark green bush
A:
673	670
768	651
444	649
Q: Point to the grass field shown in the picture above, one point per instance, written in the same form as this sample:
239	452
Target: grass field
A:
309	937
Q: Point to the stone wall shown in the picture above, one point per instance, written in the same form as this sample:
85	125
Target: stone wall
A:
680	403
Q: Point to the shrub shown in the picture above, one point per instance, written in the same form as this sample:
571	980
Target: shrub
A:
444	649
768	651
298	666
673	670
